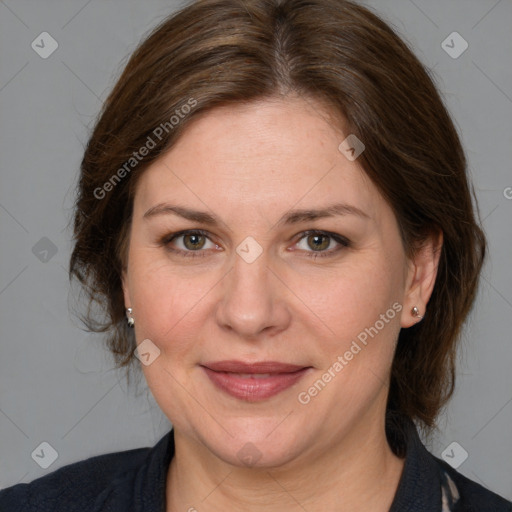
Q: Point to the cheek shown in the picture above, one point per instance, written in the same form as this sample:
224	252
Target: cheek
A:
362	311
167	301
353	298
361	319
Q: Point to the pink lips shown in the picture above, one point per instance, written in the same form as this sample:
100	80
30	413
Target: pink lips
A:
253	381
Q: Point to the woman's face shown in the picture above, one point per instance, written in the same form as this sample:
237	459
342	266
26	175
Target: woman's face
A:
326	292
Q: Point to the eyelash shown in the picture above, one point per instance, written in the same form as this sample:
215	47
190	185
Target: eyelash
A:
310	254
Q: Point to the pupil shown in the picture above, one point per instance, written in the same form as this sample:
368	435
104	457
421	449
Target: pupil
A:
194	240
316	239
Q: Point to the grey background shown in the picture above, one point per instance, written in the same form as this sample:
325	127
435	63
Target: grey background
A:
57	384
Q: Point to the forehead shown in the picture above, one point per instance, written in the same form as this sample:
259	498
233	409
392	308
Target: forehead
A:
268	156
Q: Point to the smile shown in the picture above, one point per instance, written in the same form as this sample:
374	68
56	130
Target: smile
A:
257	382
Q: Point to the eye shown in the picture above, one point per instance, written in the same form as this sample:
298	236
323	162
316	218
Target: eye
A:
320	241
191	241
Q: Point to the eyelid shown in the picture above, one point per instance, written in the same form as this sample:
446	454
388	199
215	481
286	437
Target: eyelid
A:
335	236
167	239
342	242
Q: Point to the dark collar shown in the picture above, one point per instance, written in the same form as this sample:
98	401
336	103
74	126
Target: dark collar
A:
419	488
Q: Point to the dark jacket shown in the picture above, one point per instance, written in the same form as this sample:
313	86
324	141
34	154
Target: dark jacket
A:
134	481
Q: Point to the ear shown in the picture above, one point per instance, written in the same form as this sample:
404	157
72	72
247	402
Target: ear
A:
421	277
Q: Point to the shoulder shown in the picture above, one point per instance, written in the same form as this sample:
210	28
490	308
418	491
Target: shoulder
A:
75	487
467	495
430	484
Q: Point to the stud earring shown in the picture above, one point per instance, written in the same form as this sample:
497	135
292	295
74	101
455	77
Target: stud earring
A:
129	317
415	313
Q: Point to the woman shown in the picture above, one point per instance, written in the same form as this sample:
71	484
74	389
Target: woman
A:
273	209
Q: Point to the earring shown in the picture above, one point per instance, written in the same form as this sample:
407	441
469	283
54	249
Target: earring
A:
129	318
415	312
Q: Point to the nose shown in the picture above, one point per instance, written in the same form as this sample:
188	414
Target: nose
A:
254	299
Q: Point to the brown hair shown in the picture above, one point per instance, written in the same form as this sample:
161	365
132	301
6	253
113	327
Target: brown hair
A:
216	52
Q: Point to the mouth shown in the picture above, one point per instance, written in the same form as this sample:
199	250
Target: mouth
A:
253	382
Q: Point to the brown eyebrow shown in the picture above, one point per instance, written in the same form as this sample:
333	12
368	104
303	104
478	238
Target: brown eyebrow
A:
292	217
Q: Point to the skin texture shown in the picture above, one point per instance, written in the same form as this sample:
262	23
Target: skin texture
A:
248	165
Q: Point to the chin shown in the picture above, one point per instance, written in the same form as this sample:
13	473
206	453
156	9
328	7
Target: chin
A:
262	454
254	442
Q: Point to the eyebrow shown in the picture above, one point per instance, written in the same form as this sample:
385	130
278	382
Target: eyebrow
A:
292	217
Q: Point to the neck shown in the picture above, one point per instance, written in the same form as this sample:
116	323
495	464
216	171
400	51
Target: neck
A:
359	473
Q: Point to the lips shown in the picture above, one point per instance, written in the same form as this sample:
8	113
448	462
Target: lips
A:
253	381
252	368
